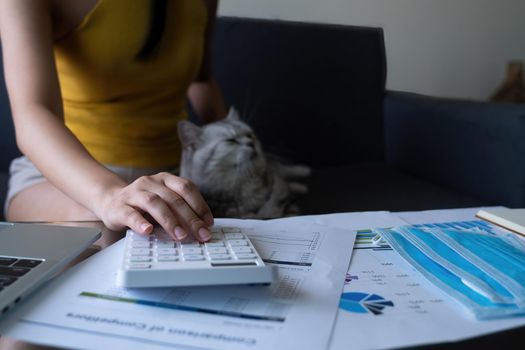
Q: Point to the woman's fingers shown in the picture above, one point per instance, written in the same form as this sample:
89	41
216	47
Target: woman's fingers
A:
132	218
173	202
190	194
188	218
157	207
190	221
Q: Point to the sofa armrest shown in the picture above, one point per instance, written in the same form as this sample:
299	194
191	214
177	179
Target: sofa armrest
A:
474	147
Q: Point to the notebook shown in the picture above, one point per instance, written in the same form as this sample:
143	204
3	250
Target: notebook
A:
30	254
510	219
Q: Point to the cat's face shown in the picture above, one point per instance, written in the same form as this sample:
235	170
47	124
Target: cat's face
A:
220	154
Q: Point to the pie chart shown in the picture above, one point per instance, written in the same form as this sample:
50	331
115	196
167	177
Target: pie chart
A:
364	303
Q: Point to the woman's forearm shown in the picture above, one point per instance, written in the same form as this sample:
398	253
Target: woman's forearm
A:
26	31
43	137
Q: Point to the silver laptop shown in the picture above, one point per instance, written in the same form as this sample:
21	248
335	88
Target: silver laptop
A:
30	254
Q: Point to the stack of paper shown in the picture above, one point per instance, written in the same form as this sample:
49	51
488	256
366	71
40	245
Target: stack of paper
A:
84	309
319	301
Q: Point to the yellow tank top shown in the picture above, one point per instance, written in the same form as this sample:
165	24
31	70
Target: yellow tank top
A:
125	111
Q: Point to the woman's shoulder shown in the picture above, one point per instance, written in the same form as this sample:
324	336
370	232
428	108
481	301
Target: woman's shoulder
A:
64	15
19	17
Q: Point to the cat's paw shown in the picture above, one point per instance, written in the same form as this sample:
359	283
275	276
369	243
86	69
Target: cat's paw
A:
297	188
295	171
292	210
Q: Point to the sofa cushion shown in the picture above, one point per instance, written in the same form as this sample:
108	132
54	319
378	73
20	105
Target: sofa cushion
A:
473	147
3	191
8	146
376	186
312	92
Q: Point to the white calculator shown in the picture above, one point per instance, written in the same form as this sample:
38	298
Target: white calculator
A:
156	260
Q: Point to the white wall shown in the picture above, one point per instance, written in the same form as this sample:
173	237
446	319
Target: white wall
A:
449	48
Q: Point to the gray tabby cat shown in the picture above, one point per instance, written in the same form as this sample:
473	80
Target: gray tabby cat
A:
226	162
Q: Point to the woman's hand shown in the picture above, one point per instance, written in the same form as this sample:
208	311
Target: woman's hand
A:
173	202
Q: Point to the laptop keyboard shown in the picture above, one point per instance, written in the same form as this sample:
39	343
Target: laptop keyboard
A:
13	268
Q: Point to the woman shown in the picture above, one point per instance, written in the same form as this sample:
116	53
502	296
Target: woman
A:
96	90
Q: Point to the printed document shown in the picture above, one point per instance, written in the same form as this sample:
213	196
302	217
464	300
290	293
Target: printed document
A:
84	309
387	304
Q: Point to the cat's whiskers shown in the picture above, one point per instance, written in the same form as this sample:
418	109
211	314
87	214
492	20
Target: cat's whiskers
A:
250	108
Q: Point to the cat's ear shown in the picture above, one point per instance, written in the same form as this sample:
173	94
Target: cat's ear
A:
233	114
189	133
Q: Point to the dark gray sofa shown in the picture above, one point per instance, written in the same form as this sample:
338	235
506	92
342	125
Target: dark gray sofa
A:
315	94
8	149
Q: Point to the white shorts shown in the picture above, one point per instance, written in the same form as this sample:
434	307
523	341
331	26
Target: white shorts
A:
23	174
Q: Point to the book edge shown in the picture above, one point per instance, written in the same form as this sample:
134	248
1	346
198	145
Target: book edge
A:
501	222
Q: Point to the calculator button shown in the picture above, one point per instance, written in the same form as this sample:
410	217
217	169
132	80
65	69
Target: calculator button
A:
140	244
215	257
216	235
162	236
242	249
139	251
238	242
234	236
165	245
190	245
135	237
214	243
139	266
140	258
191	251
193	257
231	230
167	251
245	256
217	250
165	258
